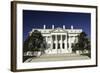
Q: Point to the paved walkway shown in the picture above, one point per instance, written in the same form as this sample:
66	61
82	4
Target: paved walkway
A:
57	57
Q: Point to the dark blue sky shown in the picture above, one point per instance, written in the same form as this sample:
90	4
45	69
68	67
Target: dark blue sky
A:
36	19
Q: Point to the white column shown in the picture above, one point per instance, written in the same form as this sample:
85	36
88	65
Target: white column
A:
46	38
61	42
56	42
66	42
70	45
51	42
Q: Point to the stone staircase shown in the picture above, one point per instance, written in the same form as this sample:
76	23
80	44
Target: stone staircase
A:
57	57
60	55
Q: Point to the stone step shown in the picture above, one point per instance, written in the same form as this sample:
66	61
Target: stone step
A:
59	55
57	58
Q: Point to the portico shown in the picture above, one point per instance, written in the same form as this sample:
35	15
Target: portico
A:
59	42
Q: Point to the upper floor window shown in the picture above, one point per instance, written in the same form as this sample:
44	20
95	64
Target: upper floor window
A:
58	37
63	37
53	37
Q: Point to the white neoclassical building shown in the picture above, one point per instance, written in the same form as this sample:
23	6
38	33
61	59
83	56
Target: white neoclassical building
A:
59	39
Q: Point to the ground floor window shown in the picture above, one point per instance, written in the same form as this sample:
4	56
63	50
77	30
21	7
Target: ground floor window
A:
63	45
58	45
53	45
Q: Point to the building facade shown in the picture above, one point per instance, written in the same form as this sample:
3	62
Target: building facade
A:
59	40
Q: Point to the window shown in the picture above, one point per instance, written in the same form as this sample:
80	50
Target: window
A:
72	45
53	45
58	45
63	45
48	45
53	37
63	37
58	37
76	40
48	38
